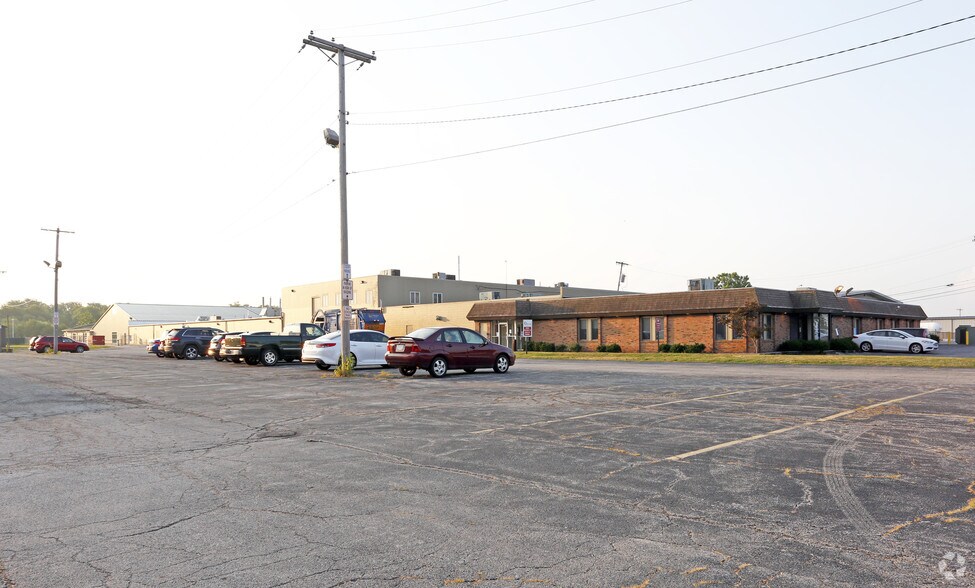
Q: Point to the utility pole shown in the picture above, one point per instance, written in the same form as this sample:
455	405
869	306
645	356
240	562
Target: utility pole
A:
622	278
56	267
341	51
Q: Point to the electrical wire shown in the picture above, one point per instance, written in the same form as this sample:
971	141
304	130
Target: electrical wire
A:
933	288
676	89
646	73
376	24
664	114
917	255
941	294
565	28
471	24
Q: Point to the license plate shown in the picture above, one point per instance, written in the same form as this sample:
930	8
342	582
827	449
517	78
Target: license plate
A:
400	348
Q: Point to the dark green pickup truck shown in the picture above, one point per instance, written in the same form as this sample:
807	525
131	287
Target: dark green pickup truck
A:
254	348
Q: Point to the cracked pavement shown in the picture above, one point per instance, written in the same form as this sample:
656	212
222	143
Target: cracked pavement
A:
118	468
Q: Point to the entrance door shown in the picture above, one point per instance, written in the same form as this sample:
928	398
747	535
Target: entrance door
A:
503	334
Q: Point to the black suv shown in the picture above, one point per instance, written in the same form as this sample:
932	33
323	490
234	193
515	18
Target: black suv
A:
188	343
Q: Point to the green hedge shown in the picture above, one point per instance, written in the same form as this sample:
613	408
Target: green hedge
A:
804	346
842	344
681	348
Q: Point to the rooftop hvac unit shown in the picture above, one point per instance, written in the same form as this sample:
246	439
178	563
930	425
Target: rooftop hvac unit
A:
494	295
700	284
561	284
451	277
439	276
524	282
390	272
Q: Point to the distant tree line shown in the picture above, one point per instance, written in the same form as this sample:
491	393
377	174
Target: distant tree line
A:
28	318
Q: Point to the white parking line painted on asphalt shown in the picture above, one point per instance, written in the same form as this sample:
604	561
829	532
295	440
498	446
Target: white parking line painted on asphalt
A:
795	427
628	409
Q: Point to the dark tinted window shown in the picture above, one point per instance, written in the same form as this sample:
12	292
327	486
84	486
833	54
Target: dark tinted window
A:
358	337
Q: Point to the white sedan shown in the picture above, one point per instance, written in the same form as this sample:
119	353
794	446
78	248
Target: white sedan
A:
893	340
368	348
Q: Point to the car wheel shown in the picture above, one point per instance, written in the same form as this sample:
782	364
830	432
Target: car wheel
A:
470	370
236	359
79	349
353	360
269	357
438	367
866	347
251	360
501	364
915	348
191	352
407	371
322	365
43	349
160	354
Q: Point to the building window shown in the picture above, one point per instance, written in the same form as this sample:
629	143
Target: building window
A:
437	297
368	297
414	297
114	337
588	329
766	327
722	330
857	326
652	328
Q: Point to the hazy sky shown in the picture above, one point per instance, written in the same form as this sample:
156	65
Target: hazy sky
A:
182	142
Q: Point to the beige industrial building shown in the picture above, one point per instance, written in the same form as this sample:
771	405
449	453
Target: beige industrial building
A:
412	302
137	324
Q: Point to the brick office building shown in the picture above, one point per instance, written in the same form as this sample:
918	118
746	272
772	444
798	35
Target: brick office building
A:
642	322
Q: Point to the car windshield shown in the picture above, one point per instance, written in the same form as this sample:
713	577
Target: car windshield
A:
423	333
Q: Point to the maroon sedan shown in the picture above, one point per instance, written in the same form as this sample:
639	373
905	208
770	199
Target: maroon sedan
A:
45	344
438	349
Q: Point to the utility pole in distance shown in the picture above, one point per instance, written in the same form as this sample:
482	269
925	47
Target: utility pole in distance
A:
622	278
346	270
56	267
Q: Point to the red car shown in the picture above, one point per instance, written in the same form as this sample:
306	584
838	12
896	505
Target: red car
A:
438	349
43	344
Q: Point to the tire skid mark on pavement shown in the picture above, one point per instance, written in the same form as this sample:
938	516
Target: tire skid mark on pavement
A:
804	425
839	487
627	409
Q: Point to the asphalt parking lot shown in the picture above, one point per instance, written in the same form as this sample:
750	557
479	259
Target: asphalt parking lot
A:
121	469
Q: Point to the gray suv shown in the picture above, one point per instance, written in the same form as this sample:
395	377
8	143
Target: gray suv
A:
188	343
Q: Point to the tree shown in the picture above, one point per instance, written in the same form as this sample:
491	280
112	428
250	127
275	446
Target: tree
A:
727	280
744	320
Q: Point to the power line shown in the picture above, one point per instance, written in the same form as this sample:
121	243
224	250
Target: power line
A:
676	89
941	294
647	73
924	253
435	14
565	28
471	24
665	114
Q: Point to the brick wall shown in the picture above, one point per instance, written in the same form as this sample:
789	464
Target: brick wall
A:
624	331
691	329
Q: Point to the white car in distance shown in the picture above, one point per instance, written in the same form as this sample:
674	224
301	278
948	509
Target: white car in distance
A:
368	348
893	340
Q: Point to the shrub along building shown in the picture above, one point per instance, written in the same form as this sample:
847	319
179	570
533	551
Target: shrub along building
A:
738	320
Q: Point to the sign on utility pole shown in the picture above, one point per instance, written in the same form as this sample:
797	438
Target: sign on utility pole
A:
341	52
